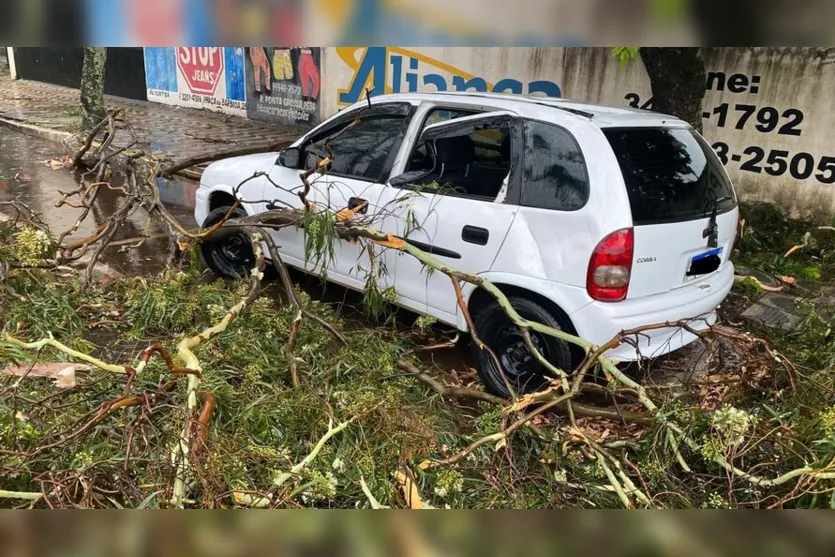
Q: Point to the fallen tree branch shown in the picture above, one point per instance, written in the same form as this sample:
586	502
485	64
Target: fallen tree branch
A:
50	341
228	153
23	495
185	351
282	478
459	393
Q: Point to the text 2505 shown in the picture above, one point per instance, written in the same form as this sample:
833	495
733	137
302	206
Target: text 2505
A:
777	162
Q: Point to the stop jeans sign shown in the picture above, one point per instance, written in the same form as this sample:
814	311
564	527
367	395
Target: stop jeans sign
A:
202	67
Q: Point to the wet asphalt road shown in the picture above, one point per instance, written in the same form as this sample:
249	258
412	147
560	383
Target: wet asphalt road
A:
26	176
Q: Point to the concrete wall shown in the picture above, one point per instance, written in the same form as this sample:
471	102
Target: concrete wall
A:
768	112
124	77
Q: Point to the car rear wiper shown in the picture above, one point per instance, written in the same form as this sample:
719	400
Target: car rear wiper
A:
712	230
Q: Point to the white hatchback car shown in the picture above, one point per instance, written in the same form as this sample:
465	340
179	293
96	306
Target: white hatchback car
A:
592	219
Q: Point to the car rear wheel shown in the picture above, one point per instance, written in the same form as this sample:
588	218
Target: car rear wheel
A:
521	368
228	255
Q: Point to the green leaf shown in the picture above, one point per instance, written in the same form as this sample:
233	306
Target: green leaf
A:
146	503
624	54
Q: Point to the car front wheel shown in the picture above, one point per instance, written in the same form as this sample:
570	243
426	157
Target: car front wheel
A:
228	255
524	373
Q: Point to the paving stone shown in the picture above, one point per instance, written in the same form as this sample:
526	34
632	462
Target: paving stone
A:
177	131
783	302
770	315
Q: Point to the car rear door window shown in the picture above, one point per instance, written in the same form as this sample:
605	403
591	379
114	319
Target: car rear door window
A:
468	157
555	174
422	157
671	174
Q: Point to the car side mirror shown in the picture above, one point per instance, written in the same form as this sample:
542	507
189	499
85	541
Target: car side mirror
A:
289	158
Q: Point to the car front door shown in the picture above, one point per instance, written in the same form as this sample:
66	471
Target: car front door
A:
452	201
362	145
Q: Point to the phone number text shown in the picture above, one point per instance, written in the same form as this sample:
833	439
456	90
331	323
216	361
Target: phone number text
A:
777	162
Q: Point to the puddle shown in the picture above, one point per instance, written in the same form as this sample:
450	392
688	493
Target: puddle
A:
25	176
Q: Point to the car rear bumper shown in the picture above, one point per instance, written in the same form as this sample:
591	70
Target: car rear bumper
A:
695	304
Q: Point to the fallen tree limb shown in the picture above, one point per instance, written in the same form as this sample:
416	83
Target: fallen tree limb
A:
23	495
50	341
185	351
228	153
580	409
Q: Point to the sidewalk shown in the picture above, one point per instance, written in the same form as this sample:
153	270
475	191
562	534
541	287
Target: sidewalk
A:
173	133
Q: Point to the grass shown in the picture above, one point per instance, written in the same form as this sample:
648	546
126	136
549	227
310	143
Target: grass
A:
769	236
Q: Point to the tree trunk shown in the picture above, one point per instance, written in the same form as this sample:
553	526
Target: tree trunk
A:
92	85
678	78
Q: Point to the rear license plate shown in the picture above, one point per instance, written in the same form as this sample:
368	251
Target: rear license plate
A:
704	263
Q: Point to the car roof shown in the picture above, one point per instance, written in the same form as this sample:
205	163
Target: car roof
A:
603	116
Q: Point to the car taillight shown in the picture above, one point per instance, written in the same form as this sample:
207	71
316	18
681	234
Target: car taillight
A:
611	266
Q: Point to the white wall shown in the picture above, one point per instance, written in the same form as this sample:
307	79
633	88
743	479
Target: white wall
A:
774	87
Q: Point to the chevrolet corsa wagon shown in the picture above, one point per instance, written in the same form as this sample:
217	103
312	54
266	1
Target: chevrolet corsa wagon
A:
592	219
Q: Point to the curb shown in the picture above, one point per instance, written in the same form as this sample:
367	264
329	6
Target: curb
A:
57	136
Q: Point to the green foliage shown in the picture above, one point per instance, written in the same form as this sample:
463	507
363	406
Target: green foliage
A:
32	303
28	245
425	322
319	237
173	303
263	426
624	54
748	287
769	236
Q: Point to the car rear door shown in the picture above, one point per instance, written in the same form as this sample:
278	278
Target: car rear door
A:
684	209
451	211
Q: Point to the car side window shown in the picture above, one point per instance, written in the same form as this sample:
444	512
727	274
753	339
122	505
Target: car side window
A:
361	147
422	157
474	162
555	174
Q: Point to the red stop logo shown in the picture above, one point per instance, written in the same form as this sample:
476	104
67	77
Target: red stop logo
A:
202	67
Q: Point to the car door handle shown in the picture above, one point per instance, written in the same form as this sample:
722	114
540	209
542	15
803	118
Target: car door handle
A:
361	205
475	235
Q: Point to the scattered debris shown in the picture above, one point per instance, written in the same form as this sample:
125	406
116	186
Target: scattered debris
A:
61	163
406	482
755	280
62	373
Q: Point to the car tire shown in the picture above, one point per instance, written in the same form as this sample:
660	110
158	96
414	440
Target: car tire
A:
227	255
524	373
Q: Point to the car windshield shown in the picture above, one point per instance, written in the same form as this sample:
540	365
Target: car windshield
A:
671	174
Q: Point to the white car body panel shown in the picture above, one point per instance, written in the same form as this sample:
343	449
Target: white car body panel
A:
543	251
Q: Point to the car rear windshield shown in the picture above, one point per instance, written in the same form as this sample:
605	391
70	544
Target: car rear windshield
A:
671	174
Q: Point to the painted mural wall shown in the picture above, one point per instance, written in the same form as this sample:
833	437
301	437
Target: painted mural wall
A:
262	83
768	112
284	84
197	77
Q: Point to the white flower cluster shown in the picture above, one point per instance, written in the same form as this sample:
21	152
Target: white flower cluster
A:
733	424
